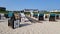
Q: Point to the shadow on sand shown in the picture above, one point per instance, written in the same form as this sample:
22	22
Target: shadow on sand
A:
21	25
2	21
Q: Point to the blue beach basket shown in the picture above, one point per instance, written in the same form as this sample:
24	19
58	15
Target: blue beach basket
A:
10	14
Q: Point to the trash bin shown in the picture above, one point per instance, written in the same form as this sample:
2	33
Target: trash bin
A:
52	17
41	17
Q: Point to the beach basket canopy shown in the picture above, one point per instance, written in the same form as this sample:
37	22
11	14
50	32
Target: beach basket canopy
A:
41	14
10	14
52	14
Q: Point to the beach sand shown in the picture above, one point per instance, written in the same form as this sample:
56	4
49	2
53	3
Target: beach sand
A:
33	28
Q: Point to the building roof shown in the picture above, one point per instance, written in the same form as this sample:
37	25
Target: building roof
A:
31	9
55	11
2	7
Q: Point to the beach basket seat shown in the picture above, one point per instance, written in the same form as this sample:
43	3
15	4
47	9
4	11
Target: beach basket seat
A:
14	23
10	22
41	17
18	17
6	15
52	17
35	15
46	16
17	20
57	16
10	16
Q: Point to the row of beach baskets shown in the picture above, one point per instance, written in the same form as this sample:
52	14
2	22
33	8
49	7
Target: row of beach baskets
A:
52	17
14	19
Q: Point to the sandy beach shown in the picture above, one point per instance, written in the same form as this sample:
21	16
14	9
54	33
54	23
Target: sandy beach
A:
45	27
29	16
